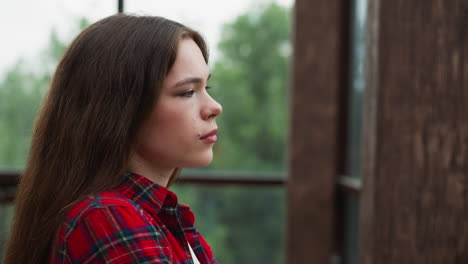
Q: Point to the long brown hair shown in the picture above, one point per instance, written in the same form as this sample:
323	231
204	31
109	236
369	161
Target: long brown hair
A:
103	90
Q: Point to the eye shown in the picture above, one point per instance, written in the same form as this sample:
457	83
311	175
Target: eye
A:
188	93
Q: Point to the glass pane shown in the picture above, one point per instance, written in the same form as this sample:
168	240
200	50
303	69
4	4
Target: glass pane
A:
351	251
38	32
231	219
250	50
356	92
357	86
242	225
6	215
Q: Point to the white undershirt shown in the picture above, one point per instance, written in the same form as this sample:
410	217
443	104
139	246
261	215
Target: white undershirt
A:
195	260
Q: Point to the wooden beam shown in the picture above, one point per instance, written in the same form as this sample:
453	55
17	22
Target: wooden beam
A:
315	145
415	189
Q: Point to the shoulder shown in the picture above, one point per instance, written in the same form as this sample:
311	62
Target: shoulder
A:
108	226
98	202
105	204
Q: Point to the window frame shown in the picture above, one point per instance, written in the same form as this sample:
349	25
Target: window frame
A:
314	19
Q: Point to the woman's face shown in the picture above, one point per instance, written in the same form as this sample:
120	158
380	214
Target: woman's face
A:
175	134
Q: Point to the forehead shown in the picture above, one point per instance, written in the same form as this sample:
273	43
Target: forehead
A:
189	62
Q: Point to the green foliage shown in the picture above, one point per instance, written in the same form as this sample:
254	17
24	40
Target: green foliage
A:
242	225
251	80
21	91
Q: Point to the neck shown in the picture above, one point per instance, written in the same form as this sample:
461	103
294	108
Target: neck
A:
157	174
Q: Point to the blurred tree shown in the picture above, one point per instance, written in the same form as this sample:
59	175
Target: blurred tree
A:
21	91
250	80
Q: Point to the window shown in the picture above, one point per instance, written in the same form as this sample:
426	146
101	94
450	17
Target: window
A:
355	122
241	195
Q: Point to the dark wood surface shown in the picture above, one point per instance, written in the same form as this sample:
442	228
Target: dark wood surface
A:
415	190
317	81
11	179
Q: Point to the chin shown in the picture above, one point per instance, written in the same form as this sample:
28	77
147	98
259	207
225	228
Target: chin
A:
198	164
200	161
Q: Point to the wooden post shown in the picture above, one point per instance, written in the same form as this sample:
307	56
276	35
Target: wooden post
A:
314	146
415	195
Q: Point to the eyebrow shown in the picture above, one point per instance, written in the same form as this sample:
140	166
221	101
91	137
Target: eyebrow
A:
190	80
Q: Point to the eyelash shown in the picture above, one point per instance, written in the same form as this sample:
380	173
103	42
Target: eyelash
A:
187	94
191	92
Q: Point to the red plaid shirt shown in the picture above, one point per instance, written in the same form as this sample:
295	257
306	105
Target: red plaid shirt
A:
139	222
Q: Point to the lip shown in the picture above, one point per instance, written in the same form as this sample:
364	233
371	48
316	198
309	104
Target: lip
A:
210	137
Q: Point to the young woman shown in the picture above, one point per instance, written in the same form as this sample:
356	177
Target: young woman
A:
127	109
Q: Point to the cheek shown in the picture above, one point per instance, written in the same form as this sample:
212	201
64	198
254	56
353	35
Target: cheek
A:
171	138
174	122
169	131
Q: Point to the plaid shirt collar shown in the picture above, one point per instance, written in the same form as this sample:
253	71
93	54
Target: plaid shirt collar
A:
106	226
154	198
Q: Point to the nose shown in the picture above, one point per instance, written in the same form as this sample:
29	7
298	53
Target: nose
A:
211	109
